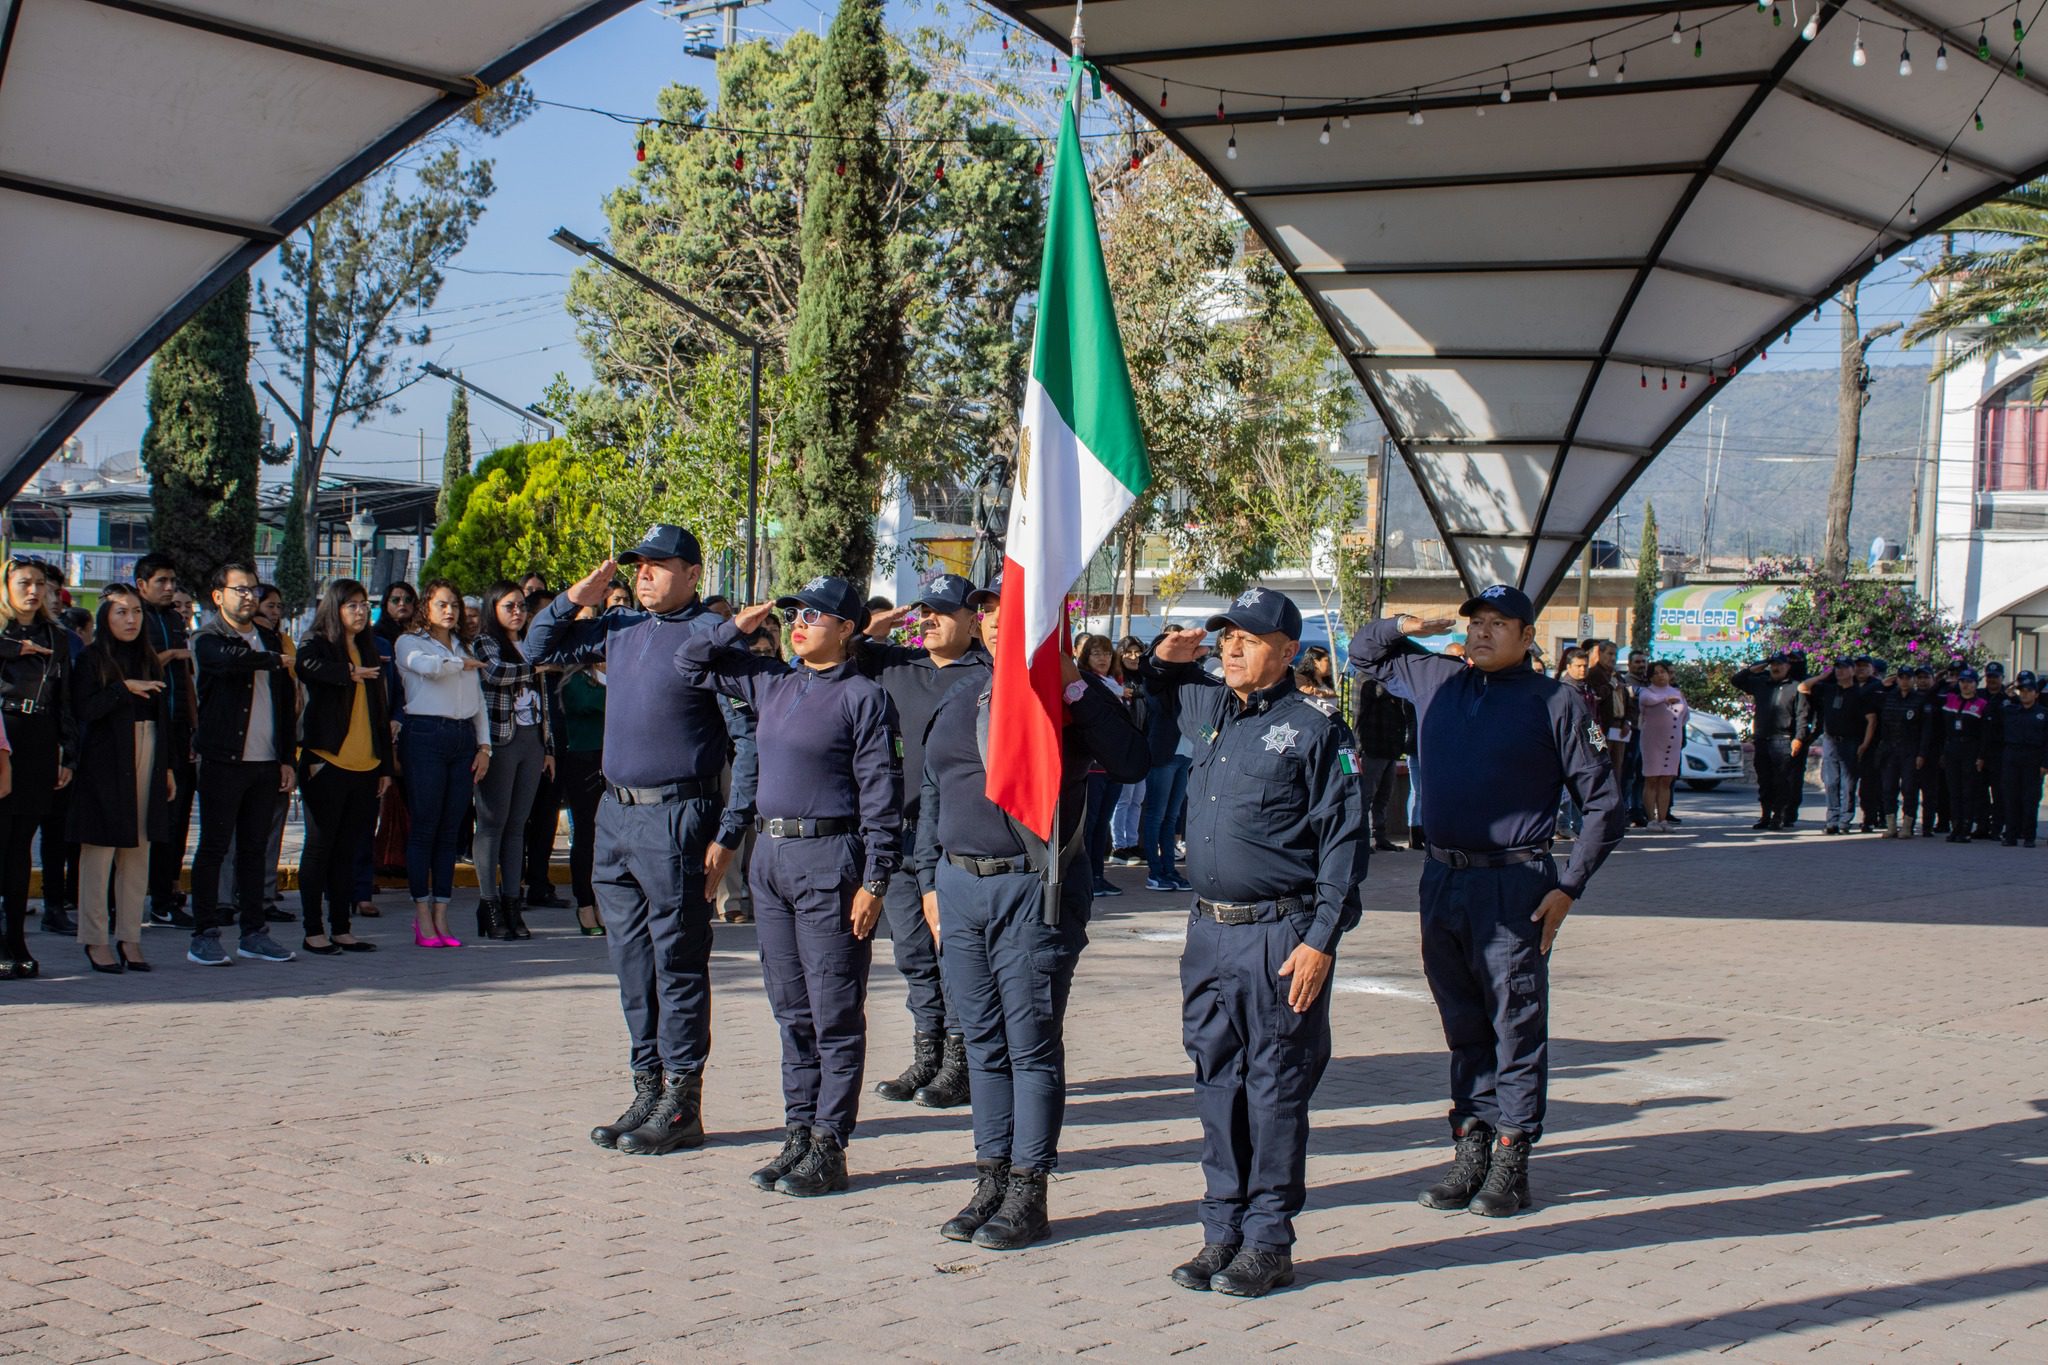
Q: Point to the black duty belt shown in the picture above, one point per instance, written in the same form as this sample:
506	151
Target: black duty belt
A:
19	706
667	794
805	829
988	867
1506	857
1250	912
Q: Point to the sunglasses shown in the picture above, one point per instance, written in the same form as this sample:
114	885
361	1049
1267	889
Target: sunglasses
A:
810	616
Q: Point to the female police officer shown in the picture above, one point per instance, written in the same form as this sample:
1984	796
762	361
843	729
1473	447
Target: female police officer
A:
1007	964
830	798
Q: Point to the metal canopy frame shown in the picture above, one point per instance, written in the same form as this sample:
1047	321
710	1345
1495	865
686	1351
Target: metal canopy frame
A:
1523	430
341	114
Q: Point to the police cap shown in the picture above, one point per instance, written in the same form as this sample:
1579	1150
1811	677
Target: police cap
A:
1879	667
1967	675
1261	611
988	596
833	596
2025	678
1844	662
948	592
1781	657
1994	669
664	541
1923	671
1508	601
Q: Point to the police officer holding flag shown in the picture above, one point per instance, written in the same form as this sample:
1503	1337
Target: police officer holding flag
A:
1276	850
1499	742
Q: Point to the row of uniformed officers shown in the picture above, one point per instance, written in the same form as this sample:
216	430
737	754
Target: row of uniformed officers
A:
1276	851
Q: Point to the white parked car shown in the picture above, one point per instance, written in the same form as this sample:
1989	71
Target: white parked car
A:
1712	754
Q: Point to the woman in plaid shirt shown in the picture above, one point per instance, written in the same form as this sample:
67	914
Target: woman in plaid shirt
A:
522	751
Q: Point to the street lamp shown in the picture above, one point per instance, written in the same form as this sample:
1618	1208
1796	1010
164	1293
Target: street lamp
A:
362	529
568	240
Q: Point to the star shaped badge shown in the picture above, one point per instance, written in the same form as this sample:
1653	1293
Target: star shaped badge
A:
1251	597
1281	738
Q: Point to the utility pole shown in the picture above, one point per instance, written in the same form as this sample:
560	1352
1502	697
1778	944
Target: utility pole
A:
1854	393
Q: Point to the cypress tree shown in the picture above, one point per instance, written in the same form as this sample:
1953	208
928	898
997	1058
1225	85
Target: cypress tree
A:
846	347
203	443
1649	577
294	570
455	462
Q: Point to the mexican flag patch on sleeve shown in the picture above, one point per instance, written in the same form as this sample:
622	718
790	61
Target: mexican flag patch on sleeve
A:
1347	762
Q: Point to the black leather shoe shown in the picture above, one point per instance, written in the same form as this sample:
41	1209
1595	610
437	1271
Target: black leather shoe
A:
1506	1191
57	920
796	1145
277	914
991	1182
547	898
1468	1168
1198	1272
1253	1274
1022	1218
1762	824
329	949
677	1121
925	1049
512	919
487	923
646	1092
822	1171
948	1088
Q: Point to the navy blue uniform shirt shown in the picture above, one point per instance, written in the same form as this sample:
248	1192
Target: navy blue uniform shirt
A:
1273	803
1959	726
826	738
954	814
917	685
1841	712
1779	706
1902	719
1496	750
657	728
2025	728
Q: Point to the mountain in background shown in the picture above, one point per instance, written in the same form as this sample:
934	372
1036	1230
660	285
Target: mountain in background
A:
1778	453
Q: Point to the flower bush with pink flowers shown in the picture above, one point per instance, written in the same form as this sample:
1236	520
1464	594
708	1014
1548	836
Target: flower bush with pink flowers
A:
1883	618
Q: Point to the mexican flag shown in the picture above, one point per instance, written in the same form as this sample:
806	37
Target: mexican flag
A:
1080	464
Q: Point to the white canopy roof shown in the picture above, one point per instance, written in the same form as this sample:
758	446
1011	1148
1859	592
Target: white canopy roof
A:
150	152
1538	296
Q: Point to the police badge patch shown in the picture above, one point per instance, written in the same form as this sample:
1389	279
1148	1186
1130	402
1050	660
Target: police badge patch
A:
1594	735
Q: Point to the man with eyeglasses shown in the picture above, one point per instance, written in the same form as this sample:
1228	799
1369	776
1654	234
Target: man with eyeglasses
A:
247	710
664	749
156	581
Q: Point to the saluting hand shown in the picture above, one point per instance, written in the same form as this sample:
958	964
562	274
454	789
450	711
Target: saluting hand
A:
1550	914
867	909
589	590
1309	969
882	622
1428	625
1179	646
749	621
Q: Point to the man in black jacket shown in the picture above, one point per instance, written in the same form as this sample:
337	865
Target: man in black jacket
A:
1779	728
1383	722
247	709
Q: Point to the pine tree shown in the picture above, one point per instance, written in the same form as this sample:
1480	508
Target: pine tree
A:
846	347
455	463
204	441
294	570
1649	578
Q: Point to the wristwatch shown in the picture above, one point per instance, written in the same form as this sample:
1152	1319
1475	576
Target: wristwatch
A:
875	886
1076	690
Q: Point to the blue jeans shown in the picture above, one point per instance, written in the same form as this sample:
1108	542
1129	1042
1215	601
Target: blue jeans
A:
1123	825
438	754
1838	775
1166	791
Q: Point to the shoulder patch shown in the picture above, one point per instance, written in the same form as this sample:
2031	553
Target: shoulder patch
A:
1595	736
1347	761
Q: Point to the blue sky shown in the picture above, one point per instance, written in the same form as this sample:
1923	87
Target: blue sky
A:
500	319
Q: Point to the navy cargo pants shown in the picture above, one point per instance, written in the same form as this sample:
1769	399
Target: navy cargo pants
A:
1008	973
815	973
1257	1064
917	957
1481	954
648	873
2022	776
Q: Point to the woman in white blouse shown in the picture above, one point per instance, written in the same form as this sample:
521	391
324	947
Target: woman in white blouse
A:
446	747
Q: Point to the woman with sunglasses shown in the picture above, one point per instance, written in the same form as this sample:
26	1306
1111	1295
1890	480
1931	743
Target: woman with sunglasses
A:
35	704
830	803
344	761
522	753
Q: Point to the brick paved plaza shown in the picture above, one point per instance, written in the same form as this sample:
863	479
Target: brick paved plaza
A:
1797	1114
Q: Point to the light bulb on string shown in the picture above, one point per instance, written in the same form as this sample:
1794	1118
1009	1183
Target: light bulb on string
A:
1762	5
1553	89
1699	44
1681	379
1324	136
1643	378
1344	122
1592	63
1162	96
1230	148
1941	58
1812	29
939	173
1507	86
2019	64
1664	380
1979	117
1983	45
1944	168
1037	168
2019	31
1006	40
1858	57
640	150
1282	120
1219	106
1777	21
1055	66
1913	209
1676	36
1905	60
1621	72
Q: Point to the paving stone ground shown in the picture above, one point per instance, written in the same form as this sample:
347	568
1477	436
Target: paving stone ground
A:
1797	1114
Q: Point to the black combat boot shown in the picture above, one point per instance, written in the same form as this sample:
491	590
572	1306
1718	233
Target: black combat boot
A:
1197	1272
796	1145
991	1181
1021	1220
1506	1191
822	1170
646	1091
949	1087
1253	1273
487	922
676	1121
1468	1169
924	1065
512	919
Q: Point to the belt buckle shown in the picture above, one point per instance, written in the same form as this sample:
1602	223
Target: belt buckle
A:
1234	914
1457	858
27	705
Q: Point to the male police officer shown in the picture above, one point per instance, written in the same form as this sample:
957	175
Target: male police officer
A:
1008	968
1901	743
1845	722
1276	850
1499	742
1991	796
1778	774
2023	728
664	749
917	680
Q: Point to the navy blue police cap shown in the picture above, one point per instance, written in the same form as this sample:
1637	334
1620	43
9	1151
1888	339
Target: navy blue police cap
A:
1994	669
2025	678
664	541
1967	675
948	592
1781	657
833	596
1261	611
988	596
1845	661
1509	601
1923	671
1879	667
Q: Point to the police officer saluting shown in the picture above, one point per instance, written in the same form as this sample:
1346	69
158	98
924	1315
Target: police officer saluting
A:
1901	742
1276	851
917	680
1779	772
1499	741
2024	728
1008	964
831	801
664	749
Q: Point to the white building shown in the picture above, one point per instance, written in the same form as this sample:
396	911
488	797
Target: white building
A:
1988	554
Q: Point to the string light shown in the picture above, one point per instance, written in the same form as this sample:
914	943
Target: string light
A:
1006	40
939	173
1941	58
1812	29
1345	122
1282	120
2019	64
1983	45
640	150
1324	136
1905	59
1979	117
1643	378
1944	168
1162	95
1621	74
1592	63
1230	148
739	160
1414	109
1664	380
2019	32
1858	57
1681	379
1553	89
1507	86
1777	21
1676	36
1913	209
1699	43
1219	106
